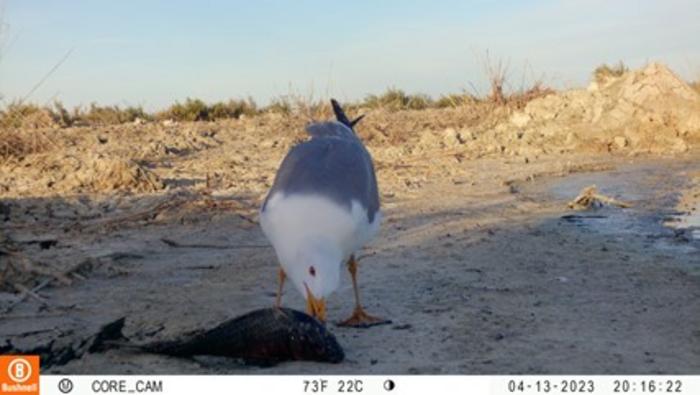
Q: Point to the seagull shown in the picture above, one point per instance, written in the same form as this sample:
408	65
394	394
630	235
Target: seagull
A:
321	209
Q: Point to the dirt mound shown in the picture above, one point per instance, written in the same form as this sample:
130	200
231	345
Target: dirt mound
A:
104	174
645	110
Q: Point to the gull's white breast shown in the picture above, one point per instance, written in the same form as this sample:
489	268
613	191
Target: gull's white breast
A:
291	222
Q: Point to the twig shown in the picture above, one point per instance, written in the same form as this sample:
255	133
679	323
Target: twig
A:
28	292
24	296
175	244
25	292
151	212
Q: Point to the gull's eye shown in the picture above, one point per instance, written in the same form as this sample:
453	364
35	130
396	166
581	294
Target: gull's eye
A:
312	271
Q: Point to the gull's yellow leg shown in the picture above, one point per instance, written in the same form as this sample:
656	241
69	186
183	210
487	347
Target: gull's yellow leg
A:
359	317
282	277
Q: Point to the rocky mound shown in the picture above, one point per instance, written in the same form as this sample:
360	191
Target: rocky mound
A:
648	110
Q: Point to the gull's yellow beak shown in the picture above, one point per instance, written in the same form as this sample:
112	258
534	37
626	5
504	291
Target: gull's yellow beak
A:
315	307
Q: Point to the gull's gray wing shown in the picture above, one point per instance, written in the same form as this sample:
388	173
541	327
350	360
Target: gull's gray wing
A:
332	164
331	129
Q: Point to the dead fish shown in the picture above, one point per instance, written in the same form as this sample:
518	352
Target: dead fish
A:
261	337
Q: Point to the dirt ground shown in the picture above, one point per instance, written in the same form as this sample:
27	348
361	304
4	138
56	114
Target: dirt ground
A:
480	263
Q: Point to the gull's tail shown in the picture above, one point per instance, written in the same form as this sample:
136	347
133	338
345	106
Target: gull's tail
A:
341	117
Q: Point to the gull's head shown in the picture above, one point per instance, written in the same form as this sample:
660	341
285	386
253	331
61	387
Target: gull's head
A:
316	274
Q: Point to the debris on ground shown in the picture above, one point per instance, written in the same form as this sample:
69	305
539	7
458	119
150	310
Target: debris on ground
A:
589	198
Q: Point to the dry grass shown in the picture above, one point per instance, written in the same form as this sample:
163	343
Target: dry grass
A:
396	99
196	110
520	98
101	115
293	104
497	74
15	144
456	100
20	115
605	72
501	90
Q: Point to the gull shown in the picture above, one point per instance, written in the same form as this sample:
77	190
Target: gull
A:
321	209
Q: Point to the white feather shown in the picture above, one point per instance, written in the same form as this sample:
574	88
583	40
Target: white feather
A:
302	226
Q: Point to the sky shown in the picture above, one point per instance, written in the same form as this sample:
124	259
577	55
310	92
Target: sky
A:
155	52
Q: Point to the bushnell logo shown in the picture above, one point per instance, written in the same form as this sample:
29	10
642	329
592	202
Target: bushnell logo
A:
19	374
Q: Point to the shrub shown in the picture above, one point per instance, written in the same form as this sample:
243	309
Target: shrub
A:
232	109
62	116
604	72
106	115
395	99
522	97
305	106
196	110
17	135
191	110
23	115
279	105
17	143
455	100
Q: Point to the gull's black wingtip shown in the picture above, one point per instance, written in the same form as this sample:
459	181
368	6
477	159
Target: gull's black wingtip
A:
341	117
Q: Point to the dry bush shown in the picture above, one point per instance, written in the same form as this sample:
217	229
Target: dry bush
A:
604	72
520	98
455	100
279	105
15	144
497	73
196	110
232	109
102	115
21	115
62	116
191	110
294	104
502	93
396	99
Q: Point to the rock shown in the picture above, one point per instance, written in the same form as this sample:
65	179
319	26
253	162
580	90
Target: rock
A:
520	119
620	142
452	138
679	145
467	135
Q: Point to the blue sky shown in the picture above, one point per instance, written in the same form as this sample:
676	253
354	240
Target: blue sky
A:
154	52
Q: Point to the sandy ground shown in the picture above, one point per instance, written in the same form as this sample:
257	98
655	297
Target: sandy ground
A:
480	264
479	277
